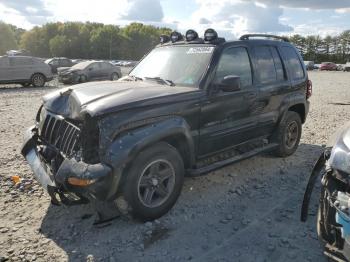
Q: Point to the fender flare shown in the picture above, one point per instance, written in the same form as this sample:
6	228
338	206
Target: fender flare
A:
127	145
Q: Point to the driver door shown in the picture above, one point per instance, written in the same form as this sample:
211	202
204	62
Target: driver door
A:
226	117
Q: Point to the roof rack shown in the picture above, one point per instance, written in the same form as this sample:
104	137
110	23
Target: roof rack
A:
247	36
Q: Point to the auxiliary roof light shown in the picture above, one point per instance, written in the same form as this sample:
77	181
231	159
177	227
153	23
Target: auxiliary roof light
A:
191	35
210	35
175	36
164	39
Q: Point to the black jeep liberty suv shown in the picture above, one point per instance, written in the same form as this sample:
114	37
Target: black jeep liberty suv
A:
190	106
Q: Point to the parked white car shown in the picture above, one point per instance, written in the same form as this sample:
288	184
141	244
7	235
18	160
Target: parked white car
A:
24	70
346	67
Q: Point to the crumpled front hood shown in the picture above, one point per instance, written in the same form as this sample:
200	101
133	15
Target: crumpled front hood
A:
97	98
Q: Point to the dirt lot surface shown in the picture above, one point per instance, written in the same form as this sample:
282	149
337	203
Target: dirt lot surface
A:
245	212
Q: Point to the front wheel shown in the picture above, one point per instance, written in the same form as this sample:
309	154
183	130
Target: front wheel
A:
114	77
83	79
288	134
154	181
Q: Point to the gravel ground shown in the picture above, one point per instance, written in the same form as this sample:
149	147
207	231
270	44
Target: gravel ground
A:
245	212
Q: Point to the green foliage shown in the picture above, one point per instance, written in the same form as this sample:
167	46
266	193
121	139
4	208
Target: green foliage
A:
92	40
328	49
7	38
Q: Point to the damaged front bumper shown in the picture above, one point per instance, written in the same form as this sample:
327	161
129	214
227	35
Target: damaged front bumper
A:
75	182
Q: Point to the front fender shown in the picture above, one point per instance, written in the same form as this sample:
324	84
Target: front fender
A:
127	145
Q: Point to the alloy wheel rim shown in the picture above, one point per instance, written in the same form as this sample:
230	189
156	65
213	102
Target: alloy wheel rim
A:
156	183
292	134
38	80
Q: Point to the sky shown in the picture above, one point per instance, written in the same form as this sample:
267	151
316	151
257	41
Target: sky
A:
231	18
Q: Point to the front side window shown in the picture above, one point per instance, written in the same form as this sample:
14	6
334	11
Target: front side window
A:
183	65
293	63
235	61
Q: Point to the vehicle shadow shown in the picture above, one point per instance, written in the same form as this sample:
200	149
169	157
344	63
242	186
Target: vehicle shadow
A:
72	229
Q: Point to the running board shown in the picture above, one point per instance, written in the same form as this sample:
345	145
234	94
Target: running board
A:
219	164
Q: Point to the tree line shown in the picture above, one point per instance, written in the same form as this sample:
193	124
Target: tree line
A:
324	49
82	40
98	41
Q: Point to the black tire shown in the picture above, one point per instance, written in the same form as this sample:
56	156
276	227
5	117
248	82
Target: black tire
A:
114	77
38	80
83	79
25	84
141	181
288	134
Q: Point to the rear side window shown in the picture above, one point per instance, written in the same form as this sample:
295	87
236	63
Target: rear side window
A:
293	62
266	71
235	61
21	61
105	65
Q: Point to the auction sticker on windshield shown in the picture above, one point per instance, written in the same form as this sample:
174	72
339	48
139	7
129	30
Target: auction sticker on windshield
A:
200	50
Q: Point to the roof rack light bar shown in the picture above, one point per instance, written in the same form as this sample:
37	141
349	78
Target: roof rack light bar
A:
247	36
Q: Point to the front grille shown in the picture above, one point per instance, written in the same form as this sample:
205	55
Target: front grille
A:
61	134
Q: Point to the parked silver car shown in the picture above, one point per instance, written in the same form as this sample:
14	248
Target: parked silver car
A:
88	71
24	70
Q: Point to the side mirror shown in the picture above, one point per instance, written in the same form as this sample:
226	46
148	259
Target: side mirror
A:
90	69
230	83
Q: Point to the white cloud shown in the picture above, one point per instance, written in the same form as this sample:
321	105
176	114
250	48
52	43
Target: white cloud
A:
232	18
343	10
144	10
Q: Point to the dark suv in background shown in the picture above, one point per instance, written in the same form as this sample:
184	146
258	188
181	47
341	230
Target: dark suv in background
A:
190	106
57	62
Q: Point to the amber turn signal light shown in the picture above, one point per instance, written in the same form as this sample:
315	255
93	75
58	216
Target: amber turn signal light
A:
80	182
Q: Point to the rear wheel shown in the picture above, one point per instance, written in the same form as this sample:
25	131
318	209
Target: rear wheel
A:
288	134
114	77
154	181
38	80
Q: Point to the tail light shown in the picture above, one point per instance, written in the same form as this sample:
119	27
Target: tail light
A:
309	89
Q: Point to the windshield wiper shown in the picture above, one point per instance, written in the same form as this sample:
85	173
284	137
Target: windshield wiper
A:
165	81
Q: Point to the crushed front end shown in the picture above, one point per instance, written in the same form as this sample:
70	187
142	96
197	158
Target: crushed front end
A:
333	216
63	154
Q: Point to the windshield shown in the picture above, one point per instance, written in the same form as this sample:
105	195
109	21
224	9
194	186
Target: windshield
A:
182	65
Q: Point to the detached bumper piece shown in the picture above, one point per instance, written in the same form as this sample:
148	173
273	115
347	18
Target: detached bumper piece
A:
74	182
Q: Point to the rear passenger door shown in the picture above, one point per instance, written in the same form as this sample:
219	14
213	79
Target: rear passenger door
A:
21	68
272	83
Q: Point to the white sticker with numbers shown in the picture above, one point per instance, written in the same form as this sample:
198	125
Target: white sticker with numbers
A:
200	50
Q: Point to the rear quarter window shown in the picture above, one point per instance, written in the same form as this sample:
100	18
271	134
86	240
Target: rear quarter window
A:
293	63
